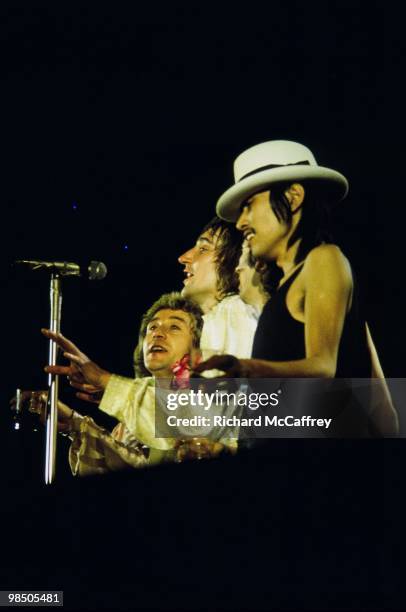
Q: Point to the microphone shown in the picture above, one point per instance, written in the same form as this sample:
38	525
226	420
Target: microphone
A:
96	270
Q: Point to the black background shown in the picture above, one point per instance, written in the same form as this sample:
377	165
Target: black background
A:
119	126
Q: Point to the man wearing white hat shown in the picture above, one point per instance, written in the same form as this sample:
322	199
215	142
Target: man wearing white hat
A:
313	325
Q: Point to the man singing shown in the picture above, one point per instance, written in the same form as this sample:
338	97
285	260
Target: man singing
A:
211	281
168	341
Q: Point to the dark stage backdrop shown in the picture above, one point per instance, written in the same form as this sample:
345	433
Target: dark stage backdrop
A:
119	128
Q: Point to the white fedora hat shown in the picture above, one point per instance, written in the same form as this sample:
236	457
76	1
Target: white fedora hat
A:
274	162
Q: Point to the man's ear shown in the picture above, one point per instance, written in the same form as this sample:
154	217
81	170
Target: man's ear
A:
295	195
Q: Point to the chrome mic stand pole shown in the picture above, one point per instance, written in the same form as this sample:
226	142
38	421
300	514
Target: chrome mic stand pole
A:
97	270
53	380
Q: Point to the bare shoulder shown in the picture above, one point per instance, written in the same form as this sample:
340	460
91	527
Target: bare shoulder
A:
328	261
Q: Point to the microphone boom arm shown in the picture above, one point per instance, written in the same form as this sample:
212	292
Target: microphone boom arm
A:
62	268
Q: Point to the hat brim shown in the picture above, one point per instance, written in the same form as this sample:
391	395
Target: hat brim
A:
333	185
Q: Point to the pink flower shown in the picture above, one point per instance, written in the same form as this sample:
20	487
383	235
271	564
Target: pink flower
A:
181	371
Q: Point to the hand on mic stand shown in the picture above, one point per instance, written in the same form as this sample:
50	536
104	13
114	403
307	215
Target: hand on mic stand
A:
83	374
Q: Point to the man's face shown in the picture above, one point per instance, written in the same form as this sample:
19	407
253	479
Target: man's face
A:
200	268
247	275
167	340
263	232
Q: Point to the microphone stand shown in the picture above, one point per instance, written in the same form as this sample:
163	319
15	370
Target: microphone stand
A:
53	381
97	271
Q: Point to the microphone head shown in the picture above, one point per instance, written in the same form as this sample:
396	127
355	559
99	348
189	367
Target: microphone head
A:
97	270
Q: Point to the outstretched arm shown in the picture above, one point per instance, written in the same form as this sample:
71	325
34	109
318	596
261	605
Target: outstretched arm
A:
82	373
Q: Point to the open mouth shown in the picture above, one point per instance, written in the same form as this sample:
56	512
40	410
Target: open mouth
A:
188	276
157	348
248	235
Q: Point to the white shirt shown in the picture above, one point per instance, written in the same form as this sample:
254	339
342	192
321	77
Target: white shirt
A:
229	329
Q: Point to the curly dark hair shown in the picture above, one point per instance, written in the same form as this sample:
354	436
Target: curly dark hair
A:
227	253
171	301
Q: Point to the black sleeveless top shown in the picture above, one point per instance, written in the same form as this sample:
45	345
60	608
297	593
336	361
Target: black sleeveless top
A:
280	337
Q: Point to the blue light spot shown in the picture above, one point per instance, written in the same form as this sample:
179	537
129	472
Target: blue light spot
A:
126	247
74	206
